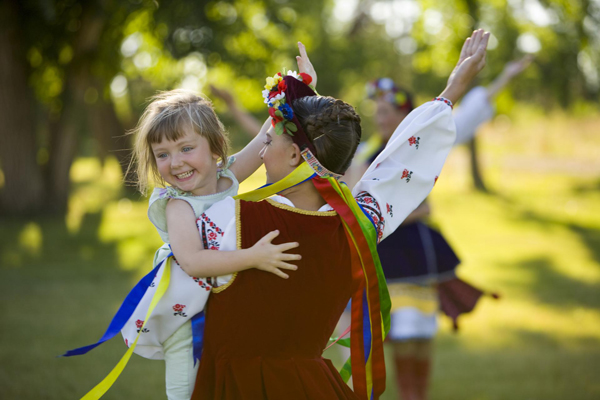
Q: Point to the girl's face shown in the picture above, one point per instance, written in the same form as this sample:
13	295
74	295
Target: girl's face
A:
187	163
279	156
388	117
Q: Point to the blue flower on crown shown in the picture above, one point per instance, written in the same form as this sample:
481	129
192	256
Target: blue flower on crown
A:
287	111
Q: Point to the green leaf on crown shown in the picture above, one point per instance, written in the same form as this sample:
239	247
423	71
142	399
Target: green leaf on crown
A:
279	128
279	114
290	126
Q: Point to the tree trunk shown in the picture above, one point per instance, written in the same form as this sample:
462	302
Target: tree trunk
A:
64	139
23	191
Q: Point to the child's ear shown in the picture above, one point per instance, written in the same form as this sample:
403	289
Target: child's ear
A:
295	155
216	156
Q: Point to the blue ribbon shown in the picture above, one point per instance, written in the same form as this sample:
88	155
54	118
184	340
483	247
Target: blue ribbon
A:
125	311
366	327
198	322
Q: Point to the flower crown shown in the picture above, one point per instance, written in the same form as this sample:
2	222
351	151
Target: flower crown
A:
386	89
274	95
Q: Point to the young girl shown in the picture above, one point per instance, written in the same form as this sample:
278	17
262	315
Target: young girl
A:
182	145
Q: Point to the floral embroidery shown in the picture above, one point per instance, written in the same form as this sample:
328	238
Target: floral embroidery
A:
390	210
435	180
178	308
210	232
139	323
126	342
204	285
171	192
414	140
406	174
370	205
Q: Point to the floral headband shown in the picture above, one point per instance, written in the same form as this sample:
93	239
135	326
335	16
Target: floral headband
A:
280	91
386	89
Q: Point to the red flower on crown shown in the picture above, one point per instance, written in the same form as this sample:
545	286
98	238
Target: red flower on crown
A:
281	87
275	119
306	78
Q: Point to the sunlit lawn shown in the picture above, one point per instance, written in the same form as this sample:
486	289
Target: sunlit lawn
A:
536	241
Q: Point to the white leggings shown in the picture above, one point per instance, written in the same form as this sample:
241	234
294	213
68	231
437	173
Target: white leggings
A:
179	364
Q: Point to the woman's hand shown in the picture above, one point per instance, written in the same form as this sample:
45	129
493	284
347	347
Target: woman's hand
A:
471	61
304	64
271	257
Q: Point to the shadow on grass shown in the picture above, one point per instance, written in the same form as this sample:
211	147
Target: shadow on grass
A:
552	287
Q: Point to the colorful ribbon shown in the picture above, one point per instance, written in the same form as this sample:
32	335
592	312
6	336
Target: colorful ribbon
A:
123	314
198	322
100	389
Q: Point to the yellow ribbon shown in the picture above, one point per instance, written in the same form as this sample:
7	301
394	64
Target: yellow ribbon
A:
100	389
300	174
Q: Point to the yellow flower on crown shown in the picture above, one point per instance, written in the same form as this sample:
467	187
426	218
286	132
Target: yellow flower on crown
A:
270	83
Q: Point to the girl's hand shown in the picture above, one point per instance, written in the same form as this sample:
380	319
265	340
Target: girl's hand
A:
471	61
271	257
304	64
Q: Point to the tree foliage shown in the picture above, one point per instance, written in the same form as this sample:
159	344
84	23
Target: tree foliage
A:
76	74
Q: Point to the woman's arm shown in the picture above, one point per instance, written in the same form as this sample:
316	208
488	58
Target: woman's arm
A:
404	173
197	261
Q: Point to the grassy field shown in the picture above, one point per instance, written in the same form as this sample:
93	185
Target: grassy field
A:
535	239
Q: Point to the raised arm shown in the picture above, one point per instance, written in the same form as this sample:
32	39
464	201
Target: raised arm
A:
248	160
249	124
197	261
476	108
404	173
511	69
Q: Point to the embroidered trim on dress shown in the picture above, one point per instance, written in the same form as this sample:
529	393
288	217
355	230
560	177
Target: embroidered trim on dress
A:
371	206
238	227
300	211
310	158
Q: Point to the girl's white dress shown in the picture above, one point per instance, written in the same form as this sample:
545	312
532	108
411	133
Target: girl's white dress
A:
168	334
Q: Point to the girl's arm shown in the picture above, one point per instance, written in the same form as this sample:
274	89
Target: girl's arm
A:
248	160
197	261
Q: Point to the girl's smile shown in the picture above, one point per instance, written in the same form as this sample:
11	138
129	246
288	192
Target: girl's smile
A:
187	163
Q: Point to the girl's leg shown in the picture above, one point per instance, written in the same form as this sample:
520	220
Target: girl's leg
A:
180	374
412	362
423	368
404	360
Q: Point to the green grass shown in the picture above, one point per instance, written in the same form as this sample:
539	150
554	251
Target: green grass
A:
536	241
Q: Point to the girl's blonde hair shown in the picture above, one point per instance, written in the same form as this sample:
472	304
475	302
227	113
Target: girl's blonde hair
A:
165	118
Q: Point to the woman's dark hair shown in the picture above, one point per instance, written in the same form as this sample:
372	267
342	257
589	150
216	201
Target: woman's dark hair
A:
333	127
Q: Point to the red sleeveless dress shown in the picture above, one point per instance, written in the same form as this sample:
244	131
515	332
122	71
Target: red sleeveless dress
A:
264	335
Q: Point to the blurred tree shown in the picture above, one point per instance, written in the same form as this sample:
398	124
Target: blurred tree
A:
76	74
57	63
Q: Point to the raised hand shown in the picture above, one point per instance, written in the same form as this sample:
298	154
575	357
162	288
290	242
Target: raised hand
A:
223	94
514	68
304	64
471	61
271	257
